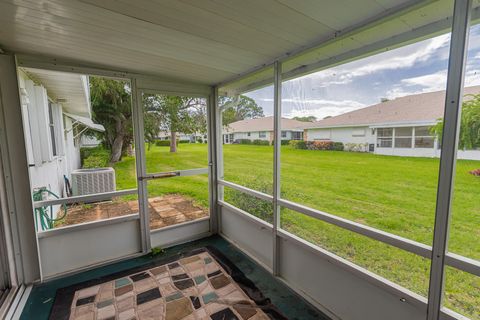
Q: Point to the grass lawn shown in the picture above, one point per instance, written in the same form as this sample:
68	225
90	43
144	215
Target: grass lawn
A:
394	194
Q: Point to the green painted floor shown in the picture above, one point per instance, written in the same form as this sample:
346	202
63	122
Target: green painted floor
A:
292	305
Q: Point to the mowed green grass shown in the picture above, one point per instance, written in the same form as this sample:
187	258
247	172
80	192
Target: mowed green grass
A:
393	194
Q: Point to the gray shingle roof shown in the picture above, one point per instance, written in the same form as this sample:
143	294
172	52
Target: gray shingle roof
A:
263	124
424	107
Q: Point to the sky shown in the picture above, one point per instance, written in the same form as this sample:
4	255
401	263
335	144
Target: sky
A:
416	68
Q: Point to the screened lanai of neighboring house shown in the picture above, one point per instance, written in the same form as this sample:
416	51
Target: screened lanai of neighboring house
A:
278	230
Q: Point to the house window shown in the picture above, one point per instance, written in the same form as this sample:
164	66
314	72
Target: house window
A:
248	134
284	134
297	135
384	137
358	132
56	129
423	138
403	137
262	134
52	129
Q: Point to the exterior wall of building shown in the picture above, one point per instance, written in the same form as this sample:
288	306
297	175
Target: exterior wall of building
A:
47	170
72	149
469	154
354	135
251	135
344	135
409	152
427	153
254	135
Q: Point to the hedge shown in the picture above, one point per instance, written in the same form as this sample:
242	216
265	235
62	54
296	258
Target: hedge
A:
320	145
316	145
259	142
163	143
97	157
298	144
338	146
243	141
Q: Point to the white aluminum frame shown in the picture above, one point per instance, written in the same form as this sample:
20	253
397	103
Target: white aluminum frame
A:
90	197
448	158
139	83
150	86
438	254
277	133
457	62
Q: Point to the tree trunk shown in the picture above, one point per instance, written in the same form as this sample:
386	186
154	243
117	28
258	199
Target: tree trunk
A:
173	141
117	144
117	149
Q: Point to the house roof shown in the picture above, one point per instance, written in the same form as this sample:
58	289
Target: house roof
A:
263	124
417	108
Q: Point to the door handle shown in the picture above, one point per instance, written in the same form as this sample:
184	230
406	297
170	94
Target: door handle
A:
162	175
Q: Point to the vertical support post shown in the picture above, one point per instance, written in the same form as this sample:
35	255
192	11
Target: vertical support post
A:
140	161
451	128
219	157
212	160
19	218
277	134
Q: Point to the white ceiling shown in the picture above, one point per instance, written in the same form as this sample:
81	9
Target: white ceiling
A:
204	41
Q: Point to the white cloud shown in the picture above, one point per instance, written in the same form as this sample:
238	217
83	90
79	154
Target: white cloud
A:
421	84
401	58
435	81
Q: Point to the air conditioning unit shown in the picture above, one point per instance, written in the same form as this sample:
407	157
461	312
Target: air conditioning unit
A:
91	181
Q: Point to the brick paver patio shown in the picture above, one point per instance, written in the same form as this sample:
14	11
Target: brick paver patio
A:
164	211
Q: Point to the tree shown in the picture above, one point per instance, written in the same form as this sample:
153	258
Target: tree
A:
175	114
111	107
305	119
470	124
239	108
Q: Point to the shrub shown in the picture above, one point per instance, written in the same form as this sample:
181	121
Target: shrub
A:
338	146
475	172
320	145
259	142
356	147
163	143
243	141
282	142
182	141
97	157
298	144
260	208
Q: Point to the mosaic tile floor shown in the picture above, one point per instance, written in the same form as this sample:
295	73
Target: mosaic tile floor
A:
190	288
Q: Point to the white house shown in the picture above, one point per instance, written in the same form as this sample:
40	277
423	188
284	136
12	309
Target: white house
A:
262	129
186	137
399	127
56	111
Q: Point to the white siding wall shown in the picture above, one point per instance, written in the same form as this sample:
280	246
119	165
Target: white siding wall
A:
255	135
344	135
45	169
351	135
427	153
409	152
72	152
